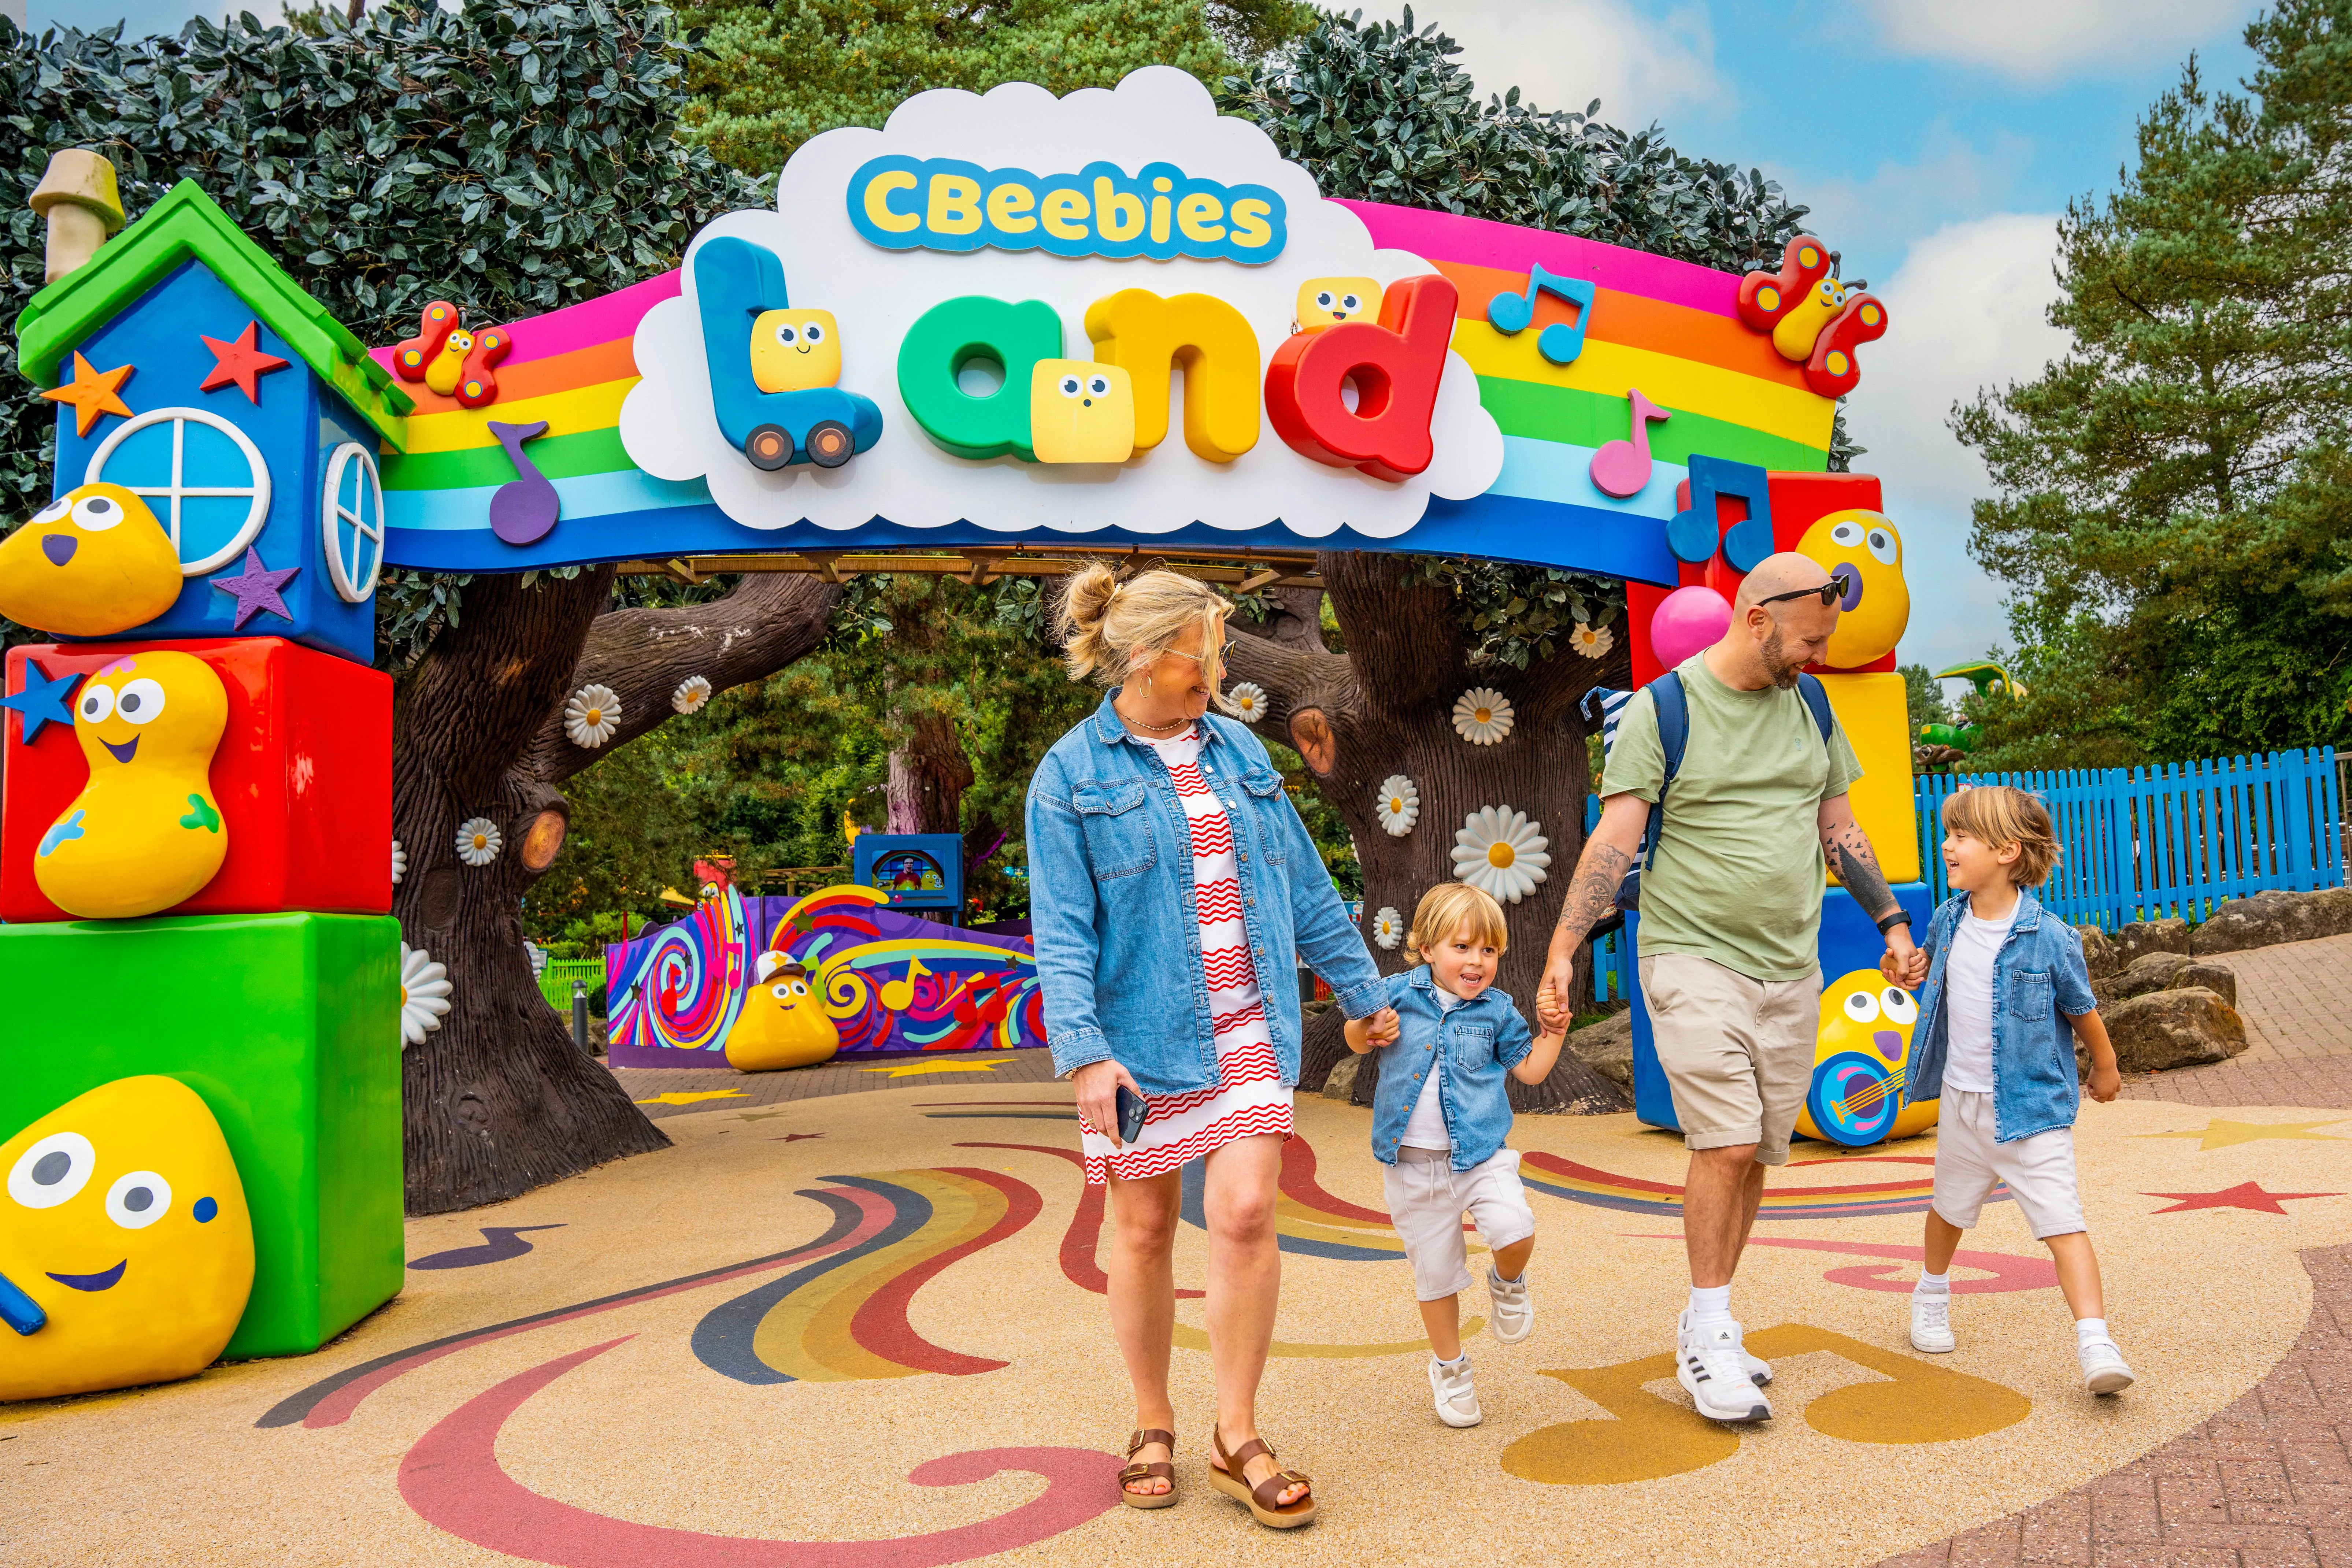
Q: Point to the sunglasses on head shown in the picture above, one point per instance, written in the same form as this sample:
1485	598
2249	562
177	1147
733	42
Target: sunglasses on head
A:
1829	593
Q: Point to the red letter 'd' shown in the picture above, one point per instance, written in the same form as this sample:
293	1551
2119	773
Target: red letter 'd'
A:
1396	367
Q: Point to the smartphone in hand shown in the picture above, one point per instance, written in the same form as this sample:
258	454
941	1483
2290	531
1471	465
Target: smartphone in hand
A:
1131	1109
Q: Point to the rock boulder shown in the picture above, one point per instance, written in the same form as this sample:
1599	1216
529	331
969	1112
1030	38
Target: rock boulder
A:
2100	953
2272	916
1607	1048
2164	1029
2167	935
1341	1084
2165	971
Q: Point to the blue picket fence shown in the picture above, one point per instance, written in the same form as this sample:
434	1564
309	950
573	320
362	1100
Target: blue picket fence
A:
2144	843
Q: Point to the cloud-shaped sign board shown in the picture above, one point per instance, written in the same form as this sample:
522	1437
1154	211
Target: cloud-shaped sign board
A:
1114	310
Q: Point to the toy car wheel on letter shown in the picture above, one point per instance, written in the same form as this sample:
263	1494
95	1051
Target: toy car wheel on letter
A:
830	444
769	447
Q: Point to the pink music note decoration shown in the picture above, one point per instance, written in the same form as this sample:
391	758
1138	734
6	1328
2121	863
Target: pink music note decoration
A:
1621	468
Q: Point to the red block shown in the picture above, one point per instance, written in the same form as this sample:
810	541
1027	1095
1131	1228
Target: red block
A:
303	777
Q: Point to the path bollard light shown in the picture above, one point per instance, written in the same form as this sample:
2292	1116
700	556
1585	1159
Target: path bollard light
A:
580	1015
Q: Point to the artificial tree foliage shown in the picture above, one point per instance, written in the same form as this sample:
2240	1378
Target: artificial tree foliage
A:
2174	506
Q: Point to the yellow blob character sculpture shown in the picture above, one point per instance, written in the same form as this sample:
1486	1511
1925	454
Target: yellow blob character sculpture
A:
1081	412
783	1022
445	369
93	562
1863	1052
126	1250
1328	301
1863	548
146	832
1794	334
792	351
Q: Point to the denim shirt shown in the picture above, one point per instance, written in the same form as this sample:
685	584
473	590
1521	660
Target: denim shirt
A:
1111	904
2038	979
1471	1048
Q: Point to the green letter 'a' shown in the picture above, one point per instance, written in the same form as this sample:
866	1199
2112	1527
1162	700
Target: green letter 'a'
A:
956	332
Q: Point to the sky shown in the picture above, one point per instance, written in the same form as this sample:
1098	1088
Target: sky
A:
1936	143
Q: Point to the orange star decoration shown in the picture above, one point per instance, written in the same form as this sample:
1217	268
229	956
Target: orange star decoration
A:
92	394
244	361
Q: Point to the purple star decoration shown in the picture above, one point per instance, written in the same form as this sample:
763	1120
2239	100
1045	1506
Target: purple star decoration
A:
255	589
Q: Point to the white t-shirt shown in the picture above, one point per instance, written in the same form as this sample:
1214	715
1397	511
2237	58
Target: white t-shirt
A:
1426	1127
1967	1001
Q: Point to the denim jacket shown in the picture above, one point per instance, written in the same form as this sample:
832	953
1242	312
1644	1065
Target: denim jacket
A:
1110	905
2039	979
1471	1048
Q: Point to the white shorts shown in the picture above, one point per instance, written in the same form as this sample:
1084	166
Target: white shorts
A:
1426	1197
2039	1170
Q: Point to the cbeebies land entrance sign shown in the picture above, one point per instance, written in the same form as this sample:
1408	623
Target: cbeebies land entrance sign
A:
1115	314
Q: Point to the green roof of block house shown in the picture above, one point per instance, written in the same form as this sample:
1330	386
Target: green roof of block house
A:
187	225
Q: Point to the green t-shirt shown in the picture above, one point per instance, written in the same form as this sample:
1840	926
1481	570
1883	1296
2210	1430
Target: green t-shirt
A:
1737	874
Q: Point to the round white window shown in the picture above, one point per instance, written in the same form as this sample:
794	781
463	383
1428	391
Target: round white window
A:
351	521
203	475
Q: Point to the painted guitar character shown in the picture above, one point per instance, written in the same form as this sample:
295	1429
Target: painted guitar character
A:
772	368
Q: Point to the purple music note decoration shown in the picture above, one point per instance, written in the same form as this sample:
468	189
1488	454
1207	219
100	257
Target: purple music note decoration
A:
1621	468
525	507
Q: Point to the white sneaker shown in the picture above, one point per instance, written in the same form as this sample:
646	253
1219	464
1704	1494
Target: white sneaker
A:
1711	1369
1514	1314
2103	1370
1931	1321
1456	1397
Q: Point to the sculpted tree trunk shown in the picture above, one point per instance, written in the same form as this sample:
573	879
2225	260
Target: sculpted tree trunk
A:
928	777
1386	707
497	1101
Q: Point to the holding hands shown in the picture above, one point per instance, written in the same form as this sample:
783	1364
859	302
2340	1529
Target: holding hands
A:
1368	1034
1903	964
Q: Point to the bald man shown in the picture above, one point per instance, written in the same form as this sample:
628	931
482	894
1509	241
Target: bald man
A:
1731	914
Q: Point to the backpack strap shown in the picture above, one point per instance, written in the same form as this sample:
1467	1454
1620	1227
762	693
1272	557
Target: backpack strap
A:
1673	705
1817	697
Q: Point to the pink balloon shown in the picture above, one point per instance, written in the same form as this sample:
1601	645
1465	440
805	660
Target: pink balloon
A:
1687	620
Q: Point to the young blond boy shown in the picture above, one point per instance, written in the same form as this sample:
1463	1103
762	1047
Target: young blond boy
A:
1439	1119
2006	994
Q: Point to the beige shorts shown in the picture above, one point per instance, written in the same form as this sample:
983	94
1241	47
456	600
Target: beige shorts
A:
1737	1053
2039	1170
1427	1198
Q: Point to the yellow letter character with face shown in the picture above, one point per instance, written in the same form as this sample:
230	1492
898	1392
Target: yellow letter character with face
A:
792	351
783	1022
1328	301
93	562
1081	412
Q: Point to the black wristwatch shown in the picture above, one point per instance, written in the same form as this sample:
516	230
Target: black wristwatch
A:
1888	922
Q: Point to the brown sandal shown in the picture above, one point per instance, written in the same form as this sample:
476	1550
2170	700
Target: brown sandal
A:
1159	1468
1225	1475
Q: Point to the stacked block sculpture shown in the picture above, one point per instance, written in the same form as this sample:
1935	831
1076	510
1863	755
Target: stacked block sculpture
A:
200	1064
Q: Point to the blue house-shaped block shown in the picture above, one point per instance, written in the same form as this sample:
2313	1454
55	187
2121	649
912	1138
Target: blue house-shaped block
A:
279	460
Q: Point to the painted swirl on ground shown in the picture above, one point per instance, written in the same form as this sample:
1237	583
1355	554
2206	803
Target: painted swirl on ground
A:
453	1480
1604	1189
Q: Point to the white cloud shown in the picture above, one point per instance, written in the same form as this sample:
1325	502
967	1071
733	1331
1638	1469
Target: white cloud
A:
1965	310
1872	218
1563	54
2041	41
668	429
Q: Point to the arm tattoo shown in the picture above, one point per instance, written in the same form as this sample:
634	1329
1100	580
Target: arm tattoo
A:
1592	894
1857	866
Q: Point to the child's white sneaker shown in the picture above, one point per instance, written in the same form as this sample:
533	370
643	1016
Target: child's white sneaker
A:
1514	1314
1714	1372
1457	1396
1931	1321
2103	1370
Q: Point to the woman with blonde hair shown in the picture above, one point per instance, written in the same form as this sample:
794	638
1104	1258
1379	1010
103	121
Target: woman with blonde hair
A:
1173	890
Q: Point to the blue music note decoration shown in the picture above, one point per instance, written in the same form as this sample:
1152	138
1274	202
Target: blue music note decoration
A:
524	509
1559	343
1693	533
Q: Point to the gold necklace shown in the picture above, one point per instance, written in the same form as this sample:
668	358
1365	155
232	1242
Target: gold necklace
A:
1139	724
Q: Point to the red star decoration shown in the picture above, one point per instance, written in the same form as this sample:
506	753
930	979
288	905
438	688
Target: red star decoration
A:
242	362
2244	1195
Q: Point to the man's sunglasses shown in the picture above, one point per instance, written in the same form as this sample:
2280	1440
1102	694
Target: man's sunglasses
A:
1829	593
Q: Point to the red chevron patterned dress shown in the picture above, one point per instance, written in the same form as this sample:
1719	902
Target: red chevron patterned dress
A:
1248	1098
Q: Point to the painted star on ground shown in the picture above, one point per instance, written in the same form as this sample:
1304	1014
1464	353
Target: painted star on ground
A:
2244	1195
92	394
242	363
2222	1134
910	1069
689	1096
43	701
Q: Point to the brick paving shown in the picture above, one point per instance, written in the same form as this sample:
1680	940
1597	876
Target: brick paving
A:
2296	999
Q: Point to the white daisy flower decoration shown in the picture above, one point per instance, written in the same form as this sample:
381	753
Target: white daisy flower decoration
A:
399	862
592	716
1591	641
1399	804
1500	850
691	694
1388	926
478	842
424	994
1246	701
1482	716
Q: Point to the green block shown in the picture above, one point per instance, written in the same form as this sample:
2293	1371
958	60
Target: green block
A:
287	1025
